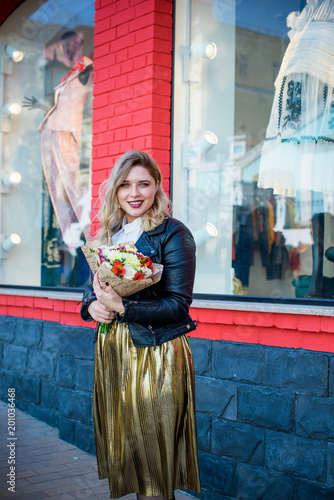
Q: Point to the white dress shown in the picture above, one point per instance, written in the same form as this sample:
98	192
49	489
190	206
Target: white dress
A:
298	153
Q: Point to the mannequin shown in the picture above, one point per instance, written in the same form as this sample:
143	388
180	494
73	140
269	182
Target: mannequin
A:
60	140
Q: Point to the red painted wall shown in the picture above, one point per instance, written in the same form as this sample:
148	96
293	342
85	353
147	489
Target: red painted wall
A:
283	330
132	109
132	84
272	329
6	8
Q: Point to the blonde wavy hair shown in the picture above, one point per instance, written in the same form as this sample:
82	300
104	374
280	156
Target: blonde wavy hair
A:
111	215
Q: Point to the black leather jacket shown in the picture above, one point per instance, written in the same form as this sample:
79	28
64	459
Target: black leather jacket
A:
160	312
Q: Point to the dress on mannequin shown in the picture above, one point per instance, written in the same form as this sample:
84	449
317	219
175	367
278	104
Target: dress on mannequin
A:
299	146
60	139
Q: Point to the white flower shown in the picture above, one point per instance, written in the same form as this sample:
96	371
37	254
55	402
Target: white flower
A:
146	271
112	255
129	272
133	261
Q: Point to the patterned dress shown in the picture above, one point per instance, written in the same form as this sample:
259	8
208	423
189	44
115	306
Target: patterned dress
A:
299	146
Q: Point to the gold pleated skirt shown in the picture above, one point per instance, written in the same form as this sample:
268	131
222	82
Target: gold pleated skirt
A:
144	415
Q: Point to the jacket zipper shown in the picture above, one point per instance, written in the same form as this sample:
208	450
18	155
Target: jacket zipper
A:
154	337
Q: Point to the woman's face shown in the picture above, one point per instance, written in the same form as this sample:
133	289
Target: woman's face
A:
136	193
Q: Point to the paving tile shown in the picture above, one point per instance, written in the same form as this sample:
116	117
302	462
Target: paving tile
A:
63	481
88	493
80	472
25	459
82	463
67	488
43	478
34	488
25	473
4	491
20	483
37	495
52	468
21	468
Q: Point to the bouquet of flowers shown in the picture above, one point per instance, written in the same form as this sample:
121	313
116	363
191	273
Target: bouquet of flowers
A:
122	266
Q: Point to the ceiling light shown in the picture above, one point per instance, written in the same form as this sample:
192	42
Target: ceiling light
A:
211	137
12	109
205	50
11	242
211	229
205	233
203	145
211	50
12	178
13	53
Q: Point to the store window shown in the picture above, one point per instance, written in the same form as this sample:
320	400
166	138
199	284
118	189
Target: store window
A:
45	139
256	158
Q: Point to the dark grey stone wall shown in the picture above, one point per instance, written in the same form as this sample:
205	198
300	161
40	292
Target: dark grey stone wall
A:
51	367
265	415
265	419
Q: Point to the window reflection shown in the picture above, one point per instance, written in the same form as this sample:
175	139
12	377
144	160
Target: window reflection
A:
266	185
49	141
297	153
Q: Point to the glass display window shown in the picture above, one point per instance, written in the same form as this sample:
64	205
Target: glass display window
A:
253	145
46	69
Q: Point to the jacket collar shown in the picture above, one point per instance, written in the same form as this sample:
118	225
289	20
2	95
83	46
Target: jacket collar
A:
159	229
144	244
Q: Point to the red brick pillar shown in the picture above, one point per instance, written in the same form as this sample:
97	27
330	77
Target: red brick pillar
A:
132	84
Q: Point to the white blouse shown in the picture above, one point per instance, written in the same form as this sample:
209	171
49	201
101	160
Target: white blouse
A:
128	232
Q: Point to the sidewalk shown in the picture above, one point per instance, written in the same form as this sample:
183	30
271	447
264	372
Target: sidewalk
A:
47	467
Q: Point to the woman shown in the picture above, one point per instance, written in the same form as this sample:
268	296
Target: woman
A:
144	416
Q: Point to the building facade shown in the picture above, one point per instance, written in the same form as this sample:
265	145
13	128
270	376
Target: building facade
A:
198	84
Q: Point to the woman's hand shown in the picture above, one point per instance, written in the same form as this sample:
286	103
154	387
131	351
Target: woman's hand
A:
108	297
101	313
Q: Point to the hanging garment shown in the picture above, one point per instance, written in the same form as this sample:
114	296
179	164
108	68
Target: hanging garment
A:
298	153
243	244
60	139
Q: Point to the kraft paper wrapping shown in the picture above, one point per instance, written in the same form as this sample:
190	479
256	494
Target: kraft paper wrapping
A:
122	286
